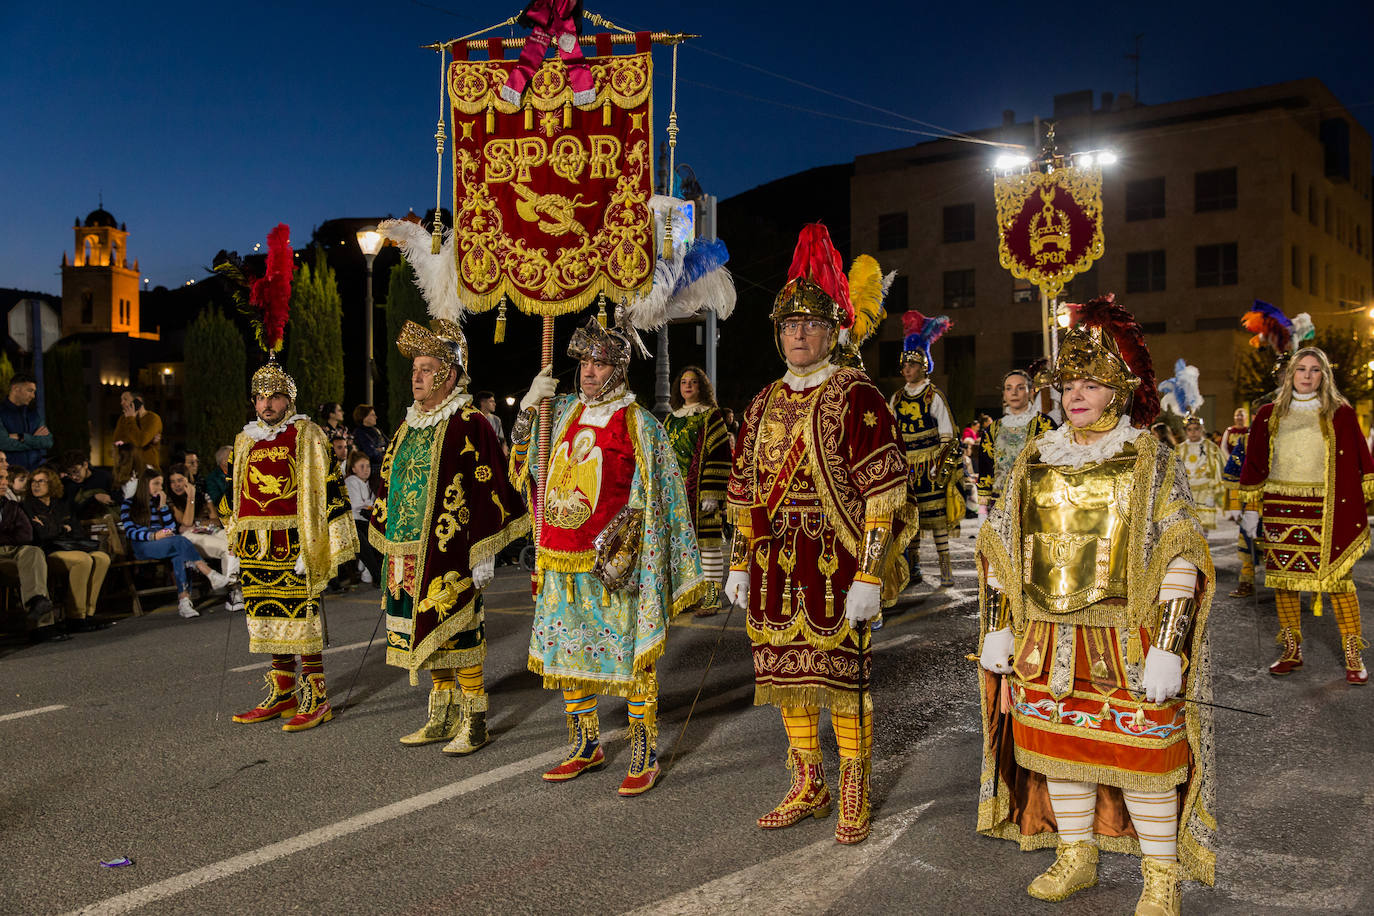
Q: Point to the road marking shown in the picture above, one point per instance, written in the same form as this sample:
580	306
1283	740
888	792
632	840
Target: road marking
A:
30	712
788	883
226	868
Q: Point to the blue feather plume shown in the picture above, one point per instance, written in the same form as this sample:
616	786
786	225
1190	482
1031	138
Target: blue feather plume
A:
704	256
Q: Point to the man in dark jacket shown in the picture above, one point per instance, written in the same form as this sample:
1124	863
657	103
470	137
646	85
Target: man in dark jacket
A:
26	438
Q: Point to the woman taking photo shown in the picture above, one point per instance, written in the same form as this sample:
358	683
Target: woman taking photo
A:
1308	462
65	543
210	541
151	530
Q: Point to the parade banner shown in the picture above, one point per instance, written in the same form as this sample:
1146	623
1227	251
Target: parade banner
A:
1049	225
551	201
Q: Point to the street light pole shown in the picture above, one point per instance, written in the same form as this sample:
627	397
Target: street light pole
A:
370	241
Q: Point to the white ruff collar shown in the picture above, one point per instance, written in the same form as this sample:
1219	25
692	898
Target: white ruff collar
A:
1309	401
600	413
1018	420
419	418
1057	447
913	390
259	431
812	378
691	410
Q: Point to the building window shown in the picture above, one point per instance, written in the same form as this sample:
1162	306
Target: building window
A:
87	307
1214	190
1144	199
1081	288
1359	239
1295	267
891	231
1216	265
1144	271
1026	348
1155	328
958	289
1294	197
1021	291
1312	274
959	223
889	358
1326	218
1312	204
897	296
1330	292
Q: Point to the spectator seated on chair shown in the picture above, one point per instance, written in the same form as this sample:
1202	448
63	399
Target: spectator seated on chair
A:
217	483
29	562
187	502
152	533
67	547
85	498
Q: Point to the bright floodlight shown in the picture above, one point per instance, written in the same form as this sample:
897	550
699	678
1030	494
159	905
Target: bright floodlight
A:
369	240
1007	162
1107	158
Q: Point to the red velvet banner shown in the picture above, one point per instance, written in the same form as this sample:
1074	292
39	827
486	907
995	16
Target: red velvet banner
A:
551	201
1050	225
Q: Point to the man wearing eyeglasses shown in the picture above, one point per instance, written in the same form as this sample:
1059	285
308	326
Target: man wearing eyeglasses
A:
816	495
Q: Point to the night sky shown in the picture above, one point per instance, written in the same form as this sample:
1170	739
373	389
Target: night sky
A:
203	125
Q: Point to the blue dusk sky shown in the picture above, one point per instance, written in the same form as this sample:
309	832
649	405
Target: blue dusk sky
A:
203	125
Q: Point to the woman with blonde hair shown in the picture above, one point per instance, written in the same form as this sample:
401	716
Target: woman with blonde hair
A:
1307	463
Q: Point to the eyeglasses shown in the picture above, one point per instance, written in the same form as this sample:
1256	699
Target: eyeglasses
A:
810	326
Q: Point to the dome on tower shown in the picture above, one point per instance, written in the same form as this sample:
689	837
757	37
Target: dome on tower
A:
101	217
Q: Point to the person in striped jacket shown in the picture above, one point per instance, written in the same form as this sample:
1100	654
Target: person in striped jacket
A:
147	522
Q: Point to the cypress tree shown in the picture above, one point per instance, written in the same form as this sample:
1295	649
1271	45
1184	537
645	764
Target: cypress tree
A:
215	396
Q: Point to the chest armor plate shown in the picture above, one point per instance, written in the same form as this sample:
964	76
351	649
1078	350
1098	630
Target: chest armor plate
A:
1074	529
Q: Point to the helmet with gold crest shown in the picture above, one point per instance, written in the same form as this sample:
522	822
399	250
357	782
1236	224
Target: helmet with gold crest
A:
614	345
1106	344
444	341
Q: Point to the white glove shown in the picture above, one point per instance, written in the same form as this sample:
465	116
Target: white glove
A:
1163	677
997	650
1249	522
864	602
300	564
483	573
543	386
737	588
1232	515
709	505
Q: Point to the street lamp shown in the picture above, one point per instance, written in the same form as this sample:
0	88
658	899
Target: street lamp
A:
370	241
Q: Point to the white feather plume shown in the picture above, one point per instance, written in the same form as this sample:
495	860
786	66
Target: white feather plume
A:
435	274
1303	331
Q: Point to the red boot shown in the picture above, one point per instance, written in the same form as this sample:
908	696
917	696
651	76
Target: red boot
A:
854	810
643	762
314	705
280	699
1291	659
586	754
808	796
1355	671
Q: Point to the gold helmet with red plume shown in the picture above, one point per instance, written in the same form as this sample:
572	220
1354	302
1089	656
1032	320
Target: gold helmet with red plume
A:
266	301
816	284
1106	344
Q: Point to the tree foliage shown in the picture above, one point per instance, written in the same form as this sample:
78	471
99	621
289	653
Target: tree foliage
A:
1349	354
215	395
64	399
403	303
314	336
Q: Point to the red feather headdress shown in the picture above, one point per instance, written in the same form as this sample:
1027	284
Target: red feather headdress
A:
267	302
1126	333
816	261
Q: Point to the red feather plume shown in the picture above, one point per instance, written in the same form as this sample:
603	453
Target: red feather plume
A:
271	293
816	259
1104	313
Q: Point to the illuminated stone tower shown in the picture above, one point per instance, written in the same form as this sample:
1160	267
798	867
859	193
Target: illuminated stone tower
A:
99	287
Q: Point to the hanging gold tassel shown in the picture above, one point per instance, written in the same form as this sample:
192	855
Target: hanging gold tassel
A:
529	117
1316	604
606	113
491	118
567	114
436	239
601	310
500	336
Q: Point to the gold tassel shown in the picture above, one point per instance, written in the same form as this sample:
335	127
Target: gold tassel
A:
500	336
601	310
491	118
529	117
1316	604
567	114
1134	653
606	113
436	240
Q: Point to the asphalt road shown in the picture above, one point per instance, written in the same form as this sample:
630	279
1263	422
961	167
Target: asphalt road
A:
119	743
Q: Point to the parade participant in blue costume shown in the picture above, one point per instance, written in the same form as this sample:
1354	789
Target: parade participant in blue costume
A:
617	557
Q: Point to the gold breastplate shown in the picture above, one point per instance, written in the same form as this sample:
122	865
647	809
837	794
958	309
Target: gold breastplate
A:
1074	532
